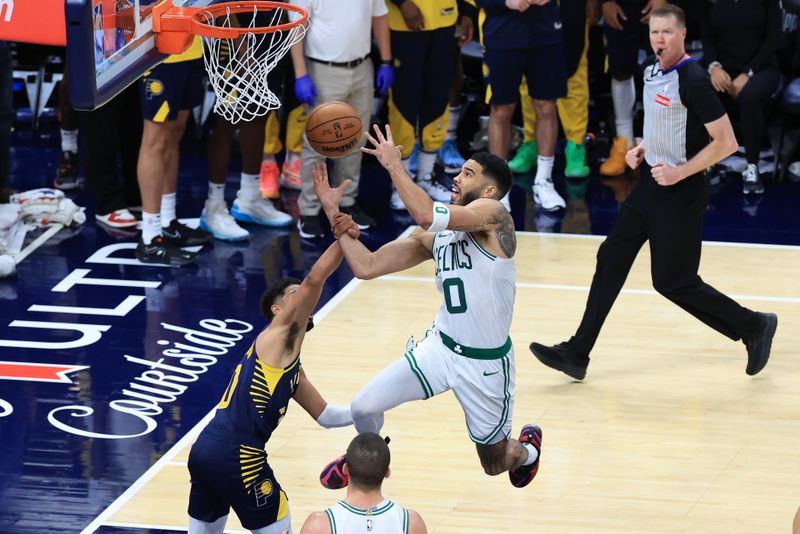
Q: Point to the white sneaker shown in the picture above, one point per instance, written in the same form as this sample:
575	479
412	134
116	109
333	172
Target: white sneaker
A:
216	220
546	196
259	211
751	181
434	189
505	202
396	202
118	219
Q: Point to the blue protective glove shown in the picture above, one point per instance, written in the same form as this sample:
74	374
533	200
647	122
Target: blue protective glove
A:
385	78
305	90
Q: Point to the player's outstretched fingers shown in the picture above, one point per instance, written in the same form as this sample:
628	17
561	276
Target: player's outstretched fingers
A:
379	133
389	137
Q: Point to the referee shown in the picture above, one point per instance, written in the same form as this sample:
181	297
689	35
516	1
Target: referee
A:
681	113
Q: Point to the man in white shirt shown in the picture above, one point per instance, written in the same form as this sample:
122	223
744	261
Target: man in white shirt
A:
332	63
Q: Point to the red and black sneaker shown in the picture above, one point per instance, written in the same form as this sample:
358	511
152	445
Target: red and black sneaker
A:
524	474
333	476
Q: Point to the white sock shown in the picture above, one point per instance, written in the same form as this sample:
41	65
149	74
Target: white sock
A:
533	454
455	112
268	157
248	187
624	96
167	209
291	157
151	226
426	162
69	141
544	168
216	193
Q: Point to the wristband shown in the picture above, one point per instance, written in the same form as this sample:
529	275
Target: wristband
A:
441	217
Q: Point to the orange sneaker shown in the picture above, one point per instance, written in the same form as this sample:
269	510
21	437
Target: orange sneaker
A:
615	164
290	174
268	181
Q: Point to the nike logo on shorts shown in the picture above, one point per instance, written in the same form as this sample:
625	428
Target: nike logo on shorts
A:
490	374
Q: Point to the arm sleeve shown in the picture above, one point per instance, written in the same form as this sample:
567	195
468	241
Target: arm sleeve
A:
335	416
771	35
707	36
699	96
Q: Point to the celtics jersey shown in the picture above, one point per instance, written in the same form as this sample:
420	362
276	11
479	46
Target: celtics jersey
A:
384	518
255	401
478	289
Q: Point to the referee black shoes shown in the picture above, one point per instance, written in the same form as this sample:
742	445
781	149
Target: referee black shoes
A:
562	358
759	342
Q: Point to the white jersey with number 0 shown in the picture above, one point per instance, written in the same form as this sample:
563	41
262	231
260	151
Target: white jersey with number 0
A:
478	290
384	518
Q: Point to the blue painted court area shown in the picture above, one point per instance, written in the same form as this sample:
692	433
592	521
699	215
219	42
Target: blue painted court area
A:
106	364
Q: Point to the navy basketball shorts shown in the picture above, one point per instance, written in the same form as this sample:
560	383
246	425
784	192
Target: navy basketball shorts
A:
622	47
542	66
171	87
228	475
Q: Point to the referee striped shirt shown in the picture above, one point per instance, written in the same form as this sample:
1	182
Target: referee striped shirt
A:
678	103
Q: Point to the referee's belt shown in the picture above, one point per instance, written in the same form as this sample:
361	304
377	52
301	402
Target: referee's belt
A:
476	354
346	64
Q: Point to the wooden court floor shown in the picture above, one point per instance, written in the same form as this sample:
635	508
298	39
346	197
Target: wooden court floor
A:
666	434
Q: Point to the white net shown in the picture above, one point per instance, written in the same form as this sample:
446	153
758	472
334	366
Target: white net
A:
238	68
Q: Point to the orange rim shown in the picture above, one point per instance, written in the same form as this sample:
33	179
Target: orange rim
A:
202	28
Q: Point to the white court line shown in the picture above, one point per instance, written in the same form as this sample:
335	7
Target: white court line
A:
151	526
593	237
565	287
190	436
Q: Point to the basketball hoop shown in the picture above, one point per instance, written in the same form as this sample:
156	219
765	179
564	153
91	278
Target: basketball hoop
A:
238	56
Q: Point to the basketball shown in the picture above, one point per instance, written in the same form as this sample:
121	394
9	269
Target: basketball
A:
334	129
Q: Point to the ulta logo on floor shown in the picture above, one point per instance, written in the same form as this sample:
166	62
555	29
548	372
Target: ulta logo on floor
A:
163	380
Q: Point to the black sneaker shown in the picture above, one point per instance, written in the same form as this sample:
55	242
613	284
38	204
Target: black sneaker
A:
760	342
362	220
562	358
67	178
159	251
309	227
179	235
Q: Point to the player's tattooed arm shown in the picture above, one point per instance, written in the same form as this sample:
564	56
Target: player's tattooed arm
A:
500	222
505	233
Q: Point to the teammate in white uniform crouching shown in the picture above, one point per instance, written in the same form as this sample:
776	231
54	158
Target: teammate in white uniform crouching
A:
468	349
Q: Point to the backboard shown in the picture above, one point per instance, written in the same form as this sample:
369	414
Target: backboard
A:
110	44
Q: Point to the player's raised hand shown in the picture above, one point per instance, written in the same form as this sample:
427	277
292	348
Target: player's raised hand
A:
342	223
385	150
328	196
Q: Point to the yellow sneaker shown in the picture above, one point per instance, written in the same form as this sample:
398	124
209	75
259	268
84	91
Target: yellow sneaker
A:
615	164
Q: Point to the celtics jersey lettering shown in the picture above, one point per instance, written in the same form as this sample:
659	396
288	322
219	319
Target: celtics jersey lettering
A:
255	401
384	518
478	289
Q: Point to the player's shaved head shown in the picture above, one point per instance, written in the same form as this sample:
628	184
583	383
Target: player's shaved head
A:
367	460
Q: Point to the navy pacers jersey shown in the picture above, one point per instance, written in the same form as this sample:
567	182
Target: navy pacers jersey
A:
228	463
255	401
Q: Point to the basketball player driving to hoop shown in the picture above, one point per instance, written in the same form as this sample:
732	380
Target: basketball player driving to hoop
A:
468	348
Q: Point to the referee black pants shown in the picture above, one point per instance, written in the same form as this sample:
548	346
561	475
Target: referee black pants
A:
671	218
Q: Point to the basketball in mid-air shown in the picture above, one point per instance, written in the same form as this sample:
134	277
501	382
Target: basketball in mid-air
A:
334	129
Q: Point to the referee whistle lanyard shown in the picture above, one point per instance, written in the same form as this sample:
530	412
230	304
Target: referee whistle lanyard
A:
685	58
